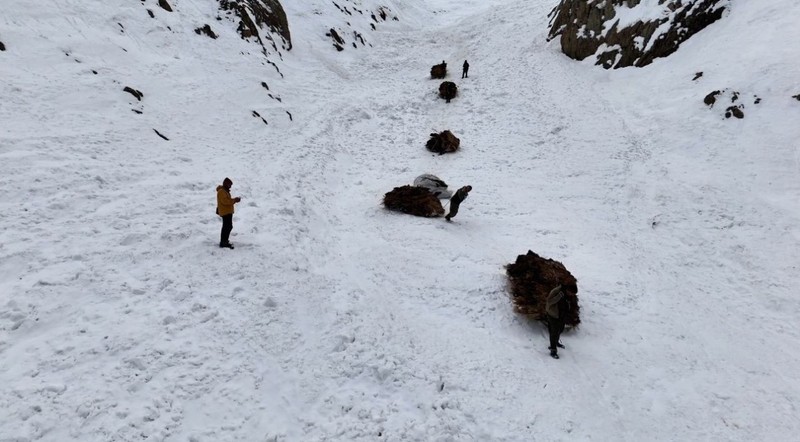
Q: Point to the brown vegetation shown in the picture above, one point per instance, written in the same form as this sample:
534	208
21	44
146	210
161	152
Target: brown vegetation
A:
413	200
443	142
532	277
448	90
439	70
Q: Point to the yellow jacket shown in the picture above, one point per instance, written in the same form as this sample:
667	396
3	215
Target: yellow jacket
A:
224	202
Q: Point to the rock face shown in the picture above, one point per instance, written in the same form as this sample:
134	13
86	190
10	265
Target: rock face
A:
621	33
254	14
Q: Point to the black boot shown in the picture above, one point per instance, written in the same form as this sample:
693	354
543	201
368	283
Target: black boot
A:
553	354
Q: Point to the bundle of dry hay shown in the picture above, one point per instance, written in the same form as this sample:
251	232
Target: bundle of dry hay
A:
413	200
532	277
448	90
439	70
443	142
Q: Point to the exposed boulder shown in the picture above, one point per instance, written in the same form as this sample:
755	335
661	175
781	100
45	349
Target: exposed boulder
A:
734	111
413	200
2	46
443	142
711	98
531	278
448	90
136	93
338	42
164	5
206	30
620	33
735	99
256	14
439	70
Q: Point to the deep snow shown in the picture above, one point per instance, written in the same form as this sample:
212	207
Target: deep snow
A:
334	319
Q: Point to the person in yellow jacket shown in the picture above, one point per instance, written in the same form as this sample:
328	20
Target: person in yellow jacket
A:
225	210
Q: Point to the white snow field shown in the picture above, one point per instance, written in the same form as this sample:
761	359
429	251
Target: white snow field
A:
335	320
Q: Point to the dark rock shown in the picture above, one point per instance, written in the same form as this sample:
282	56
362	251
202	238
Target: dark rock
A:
796	97
734	111
257	13
160	135
257	115
585	25
150	13
337	40
697	75
206	30
164	5
134	92
2	46
711	98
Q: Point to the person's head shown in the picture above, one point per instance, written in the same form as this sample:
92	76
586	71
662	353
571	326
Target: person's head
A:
468	188
227	183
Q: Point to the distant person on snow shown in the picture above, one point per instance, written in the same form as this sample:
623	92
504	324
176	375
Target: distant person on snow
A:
456	200
557	307
465	70
225	210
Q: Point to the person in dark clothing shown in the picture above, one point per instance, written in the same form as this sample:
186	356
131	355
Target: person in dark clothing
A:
465	70
225	209
557	307
455	201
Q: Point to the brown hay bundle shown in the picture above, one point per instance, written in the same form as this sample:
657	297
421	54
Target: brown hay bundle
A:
532	277
448	90
439	70
443	142
413	200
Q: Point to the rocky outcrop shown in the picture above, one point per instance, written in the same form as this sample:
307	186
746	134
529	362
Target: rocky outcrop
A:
734	100
352	23
621	33
257	14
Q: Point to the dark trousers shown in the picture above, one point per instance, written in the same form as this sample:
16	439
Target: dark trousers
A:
555	326
453	209
464	74
227	226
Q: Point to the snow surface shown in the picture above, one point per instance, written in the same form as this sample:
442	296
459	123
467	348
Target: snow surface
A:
335	320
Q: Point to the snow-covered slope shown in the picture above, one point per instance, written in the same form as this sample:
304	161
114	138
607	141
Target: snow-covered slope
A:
333	319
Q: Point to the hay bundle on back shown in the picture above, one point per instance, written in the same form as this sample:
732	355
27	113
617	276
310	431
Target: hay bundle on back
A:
413	200
448	90
443	142
532	277
439	70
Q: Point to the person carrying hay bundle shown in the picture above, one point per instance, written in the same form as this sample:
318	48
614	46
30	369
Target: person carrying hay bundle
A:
544	290
557	308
